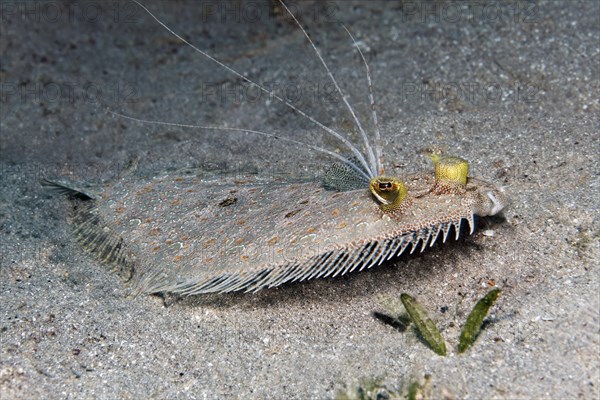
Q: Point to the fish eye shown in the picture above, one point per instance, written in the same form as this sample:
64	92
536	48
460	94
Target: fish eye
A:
391	194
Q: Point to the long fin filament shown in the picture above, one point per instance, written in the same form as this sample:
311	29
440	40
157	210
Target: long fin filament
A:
378	149
340	137
372	159
231	129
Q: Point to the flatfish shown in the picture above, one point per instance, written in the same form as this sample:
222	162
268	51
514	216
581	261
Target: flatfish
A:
186	232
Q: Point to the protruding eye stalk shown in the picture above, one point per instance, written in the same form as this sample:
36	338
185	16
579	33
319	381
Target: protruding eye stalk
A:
391	194
451	177
450	173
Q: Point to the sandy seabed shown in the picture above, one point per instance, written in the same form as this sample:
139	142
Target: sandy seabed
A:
512	88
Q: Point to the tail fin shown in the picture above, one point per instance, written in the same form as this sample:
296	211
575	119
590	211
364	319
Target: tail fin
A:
93	233
68	189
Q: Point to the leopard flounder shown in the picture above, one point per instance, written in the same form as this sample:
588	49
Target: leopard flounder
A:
184	233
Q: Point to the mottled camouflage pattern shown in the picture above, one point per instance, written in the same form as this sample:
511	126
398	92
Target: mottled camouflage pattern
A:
183	234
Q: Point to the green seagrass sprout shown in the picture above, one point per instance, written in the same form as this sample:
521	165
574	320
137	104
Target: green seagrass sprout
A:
424	324
475	319
431	334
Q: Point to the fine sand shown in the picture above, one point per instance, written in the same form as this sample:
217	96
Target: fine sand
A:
513	88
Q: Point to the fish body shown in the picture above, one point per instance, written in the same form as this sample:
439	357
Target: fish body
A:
181	233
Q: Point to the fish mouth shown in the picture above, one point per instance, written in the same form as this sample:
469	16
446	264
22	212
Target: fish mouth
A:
499	201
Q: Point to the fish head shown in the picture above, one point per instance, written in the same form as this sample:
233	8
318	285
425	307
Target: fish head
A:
487	198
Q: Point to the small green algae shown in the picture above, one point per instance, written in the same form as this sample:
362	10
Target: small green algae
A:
424	324
475	319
